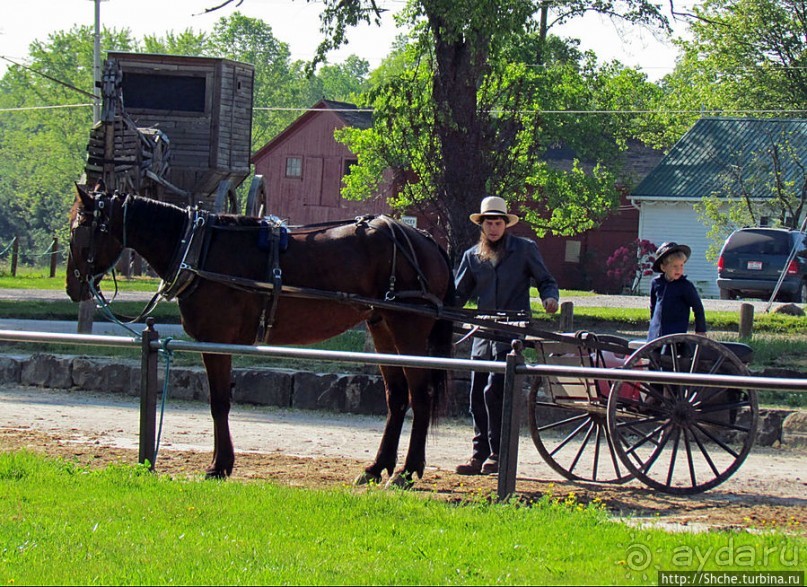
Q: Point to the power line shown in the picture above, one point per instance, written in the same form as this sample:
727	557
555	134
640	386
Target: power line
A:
24	108
715	112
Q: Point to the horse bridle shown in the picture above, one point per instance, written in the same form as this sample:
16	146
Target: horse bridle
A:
84	234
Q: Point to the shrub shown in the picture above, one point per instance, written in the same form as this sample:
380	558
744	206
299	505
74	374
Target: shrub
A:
629	263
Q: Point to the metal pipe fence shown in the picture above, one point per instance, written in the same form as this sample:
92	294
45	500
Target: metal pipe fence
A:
514	369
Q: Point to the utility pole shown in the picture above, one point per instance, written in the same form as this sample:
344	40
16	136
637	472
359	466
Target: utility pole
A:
96	109
86	309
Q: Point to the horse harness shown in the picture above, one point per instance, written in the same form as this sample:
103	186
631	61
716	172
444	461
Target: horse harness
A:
189	259
188	263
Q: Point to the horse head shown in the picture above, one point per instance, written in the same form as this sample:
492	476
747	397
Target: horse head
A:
96	229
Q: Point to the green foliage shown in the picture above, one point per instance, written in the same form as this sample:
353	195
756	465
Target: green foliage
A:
520	112
462	112
743	57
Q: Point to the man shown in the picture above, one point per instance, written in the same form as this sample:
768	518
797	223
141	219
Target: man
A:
497	272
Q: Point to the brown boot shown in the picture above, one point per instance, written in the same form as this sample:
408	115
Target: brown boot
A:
472	467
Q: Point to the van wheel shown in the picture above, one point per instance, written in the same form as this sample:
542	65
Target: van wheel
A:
800	297
728	294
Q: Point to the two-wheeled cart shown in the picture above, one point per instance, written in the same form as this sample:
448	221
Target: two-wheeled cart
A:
677	438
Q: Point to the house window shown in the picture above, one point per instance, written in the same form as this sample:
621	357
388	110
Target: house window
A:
572	252
348	163
294	167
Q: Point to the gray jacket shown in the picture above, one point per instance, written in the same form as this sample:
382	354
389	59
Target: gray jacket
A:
503	287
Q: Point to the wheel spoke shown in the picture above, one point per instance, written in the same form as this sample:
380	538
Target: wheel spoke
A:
690	460
614	457
677	439
632	448
706	456
716	440
562	422
569	437
646	466
582	448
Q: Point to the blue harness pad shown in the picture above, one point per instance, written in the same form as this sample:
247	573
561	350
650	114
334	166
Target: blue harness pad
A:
270	224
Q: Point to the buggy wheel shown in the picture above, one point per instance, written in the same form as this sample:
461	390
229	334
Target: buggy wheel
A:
256	198
573	439
683	438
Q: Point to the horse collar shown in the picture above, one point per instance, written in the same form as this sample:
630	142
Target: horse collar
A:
186	259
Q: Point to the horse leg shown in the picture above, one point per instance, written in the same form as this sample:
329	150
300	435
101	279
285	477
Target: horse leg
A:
219	371
415	462
397	395
418	383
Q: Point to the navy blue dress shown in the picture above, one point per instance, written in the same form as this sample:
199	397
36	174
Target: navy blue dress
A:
670	304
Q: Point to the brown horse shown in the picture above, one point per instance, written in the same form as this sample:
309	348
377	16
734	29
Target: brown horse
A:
223	269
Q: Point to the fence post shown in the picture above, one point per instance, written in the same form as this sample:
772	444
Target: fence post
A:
148	394
86	311
511	418
746	320
54	250
15	255
566	317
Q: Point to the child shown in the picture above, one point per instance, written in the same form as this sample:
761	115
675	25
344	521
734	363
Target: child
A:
672	295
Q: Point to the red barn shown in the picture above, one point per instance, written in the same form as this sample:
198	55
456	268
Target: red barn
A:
304	165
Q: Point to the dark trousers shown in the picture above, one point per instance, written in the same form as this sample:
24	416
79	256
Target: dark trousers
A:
487	390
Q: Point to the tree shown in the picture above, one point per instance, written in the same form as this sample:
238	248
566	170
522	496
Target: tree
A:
42	150
747	57
519	111
763	186
473	121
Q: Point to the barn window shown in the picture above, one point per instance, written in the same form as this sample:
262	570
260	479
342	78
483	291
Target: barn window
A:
294	167
348	163
572	252
164	92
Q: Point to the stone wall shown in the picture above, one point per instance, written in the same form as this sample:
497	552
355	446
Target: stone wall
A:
356	393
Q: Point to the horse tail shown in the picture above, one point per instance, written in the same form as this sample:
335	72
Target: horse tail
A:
441	344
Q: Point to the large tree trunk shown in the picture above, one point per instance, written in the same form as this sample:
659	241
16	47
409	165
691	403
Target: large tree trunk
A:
460	67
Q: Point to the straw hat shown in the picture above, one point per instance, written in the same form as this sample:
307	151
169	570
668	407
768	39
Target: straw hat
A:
666	249
493	206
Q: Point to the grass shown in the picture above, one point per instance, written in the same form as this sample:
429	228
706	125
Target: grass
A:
64	524
39	278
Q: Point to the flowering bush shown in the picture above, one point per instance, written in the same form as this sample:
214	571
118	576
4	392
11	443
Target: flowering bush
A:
629	263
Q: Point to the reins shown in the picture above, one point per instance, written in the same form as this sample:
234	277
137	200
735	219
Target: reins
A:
189	253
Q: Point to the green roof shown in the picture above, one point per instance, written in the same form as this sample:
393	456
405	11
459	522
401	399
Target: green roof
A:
714	150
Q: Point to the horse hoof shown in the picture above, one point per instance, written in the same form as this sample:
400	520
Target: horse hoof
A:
367	478
215	474
400	481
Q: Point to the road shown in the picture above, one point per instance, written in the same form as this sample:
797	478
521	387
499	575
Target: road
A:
109	328
100	327
113	420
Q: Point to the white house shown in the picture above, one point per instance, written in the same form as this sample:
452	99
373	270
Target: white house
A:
708	156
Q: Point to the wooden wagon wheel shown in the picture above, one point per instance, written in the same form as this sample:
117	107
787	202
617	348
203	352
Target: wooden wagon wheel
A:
256	198
573	438
683	439
226	199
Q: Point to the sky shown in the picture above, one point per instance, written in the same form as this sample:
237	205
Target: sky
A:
295	22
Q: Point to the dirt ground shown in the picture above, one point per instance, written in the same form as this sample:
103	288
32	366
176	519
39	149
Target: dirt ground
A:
314	449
